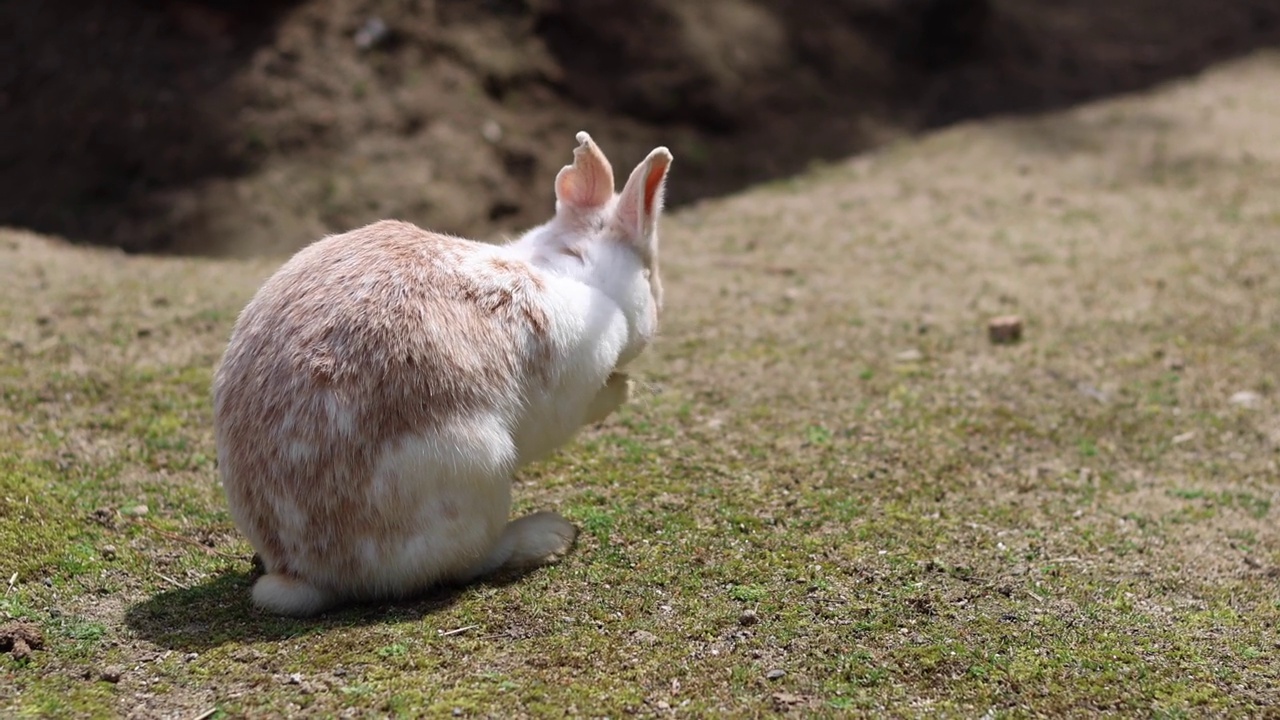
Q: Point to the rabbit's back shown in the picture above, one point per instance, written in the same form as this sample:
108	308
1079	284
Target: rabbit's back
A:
359	342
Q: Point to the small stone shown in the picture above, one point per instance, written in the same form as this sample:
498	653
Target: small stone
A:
371	33
1246	399
108	552
111	674
138	510
295	679
644	637
909	356
190	656
748	617
662	705
1005	329
457	712
775	674
490	130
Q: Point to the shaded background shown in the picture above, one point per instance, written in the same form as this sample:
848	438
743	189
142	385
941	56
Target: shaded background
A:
240	127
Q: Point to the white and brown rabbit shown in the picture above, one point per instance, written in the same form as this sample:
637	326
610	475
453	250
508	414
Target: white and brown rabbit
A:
380	390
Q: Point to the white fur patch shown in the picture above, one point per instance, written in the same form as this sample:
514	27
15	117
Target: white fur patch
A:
340	417
451	490
300	452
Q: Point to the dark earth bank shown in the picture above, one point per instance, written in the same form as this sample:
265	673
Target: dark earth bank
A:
241	127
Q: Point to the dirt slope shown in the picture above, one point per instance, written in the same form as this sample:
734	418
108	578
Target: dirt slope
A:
836	498
253	127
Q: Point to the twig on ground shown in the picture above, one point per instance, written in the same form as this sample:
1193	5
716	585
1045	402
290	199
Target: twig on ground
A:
187	540
457	631
171	581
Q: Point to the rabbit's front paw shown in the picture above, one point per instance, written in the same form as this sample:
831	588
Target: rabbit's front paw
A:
542	538
615	393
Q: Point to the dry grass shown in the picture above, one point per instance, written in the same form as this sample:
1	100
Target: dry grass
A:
923	523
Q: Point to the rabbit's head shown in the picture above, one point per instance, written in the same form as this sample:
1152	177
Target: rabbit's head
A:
608	240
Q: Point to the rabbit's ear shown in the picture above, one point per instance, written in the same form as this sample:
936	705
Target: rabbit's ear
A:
640	203
587	184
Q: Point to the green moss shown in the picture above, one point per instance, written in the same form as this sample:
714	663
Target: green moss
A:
42	534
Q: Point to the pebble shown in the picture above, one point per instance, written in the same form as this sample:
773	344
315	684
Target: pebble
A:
490	130
1246	399
909	356
1004	330
644	637
373	31
108	552
112	674
775	674
748	617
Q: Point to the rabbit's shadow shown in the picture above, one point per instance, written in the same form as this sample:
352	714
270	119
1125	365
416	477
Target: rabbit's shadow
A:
218	611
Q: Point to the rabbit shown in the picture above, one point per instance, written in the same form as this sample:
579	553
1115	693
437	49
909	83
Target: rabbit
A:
381	388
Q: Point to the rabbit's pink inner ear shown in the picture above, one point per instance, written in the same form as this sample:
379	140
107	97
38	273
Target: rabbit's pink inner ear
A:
653	184
641	200
588	182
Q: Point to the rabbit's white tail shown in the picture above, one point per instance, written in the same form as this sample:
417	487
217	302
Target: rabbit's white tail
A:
288	595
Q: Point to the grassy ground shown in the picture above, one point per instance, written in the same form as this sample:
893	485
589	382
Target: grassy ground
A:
837	497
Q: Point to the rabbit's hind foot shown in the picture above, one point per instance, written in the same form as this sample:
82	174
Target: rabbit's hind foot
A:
288	595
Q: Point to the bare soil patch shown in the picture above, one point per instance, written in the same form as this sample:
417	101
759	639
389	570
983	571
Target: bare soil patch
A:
20	638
